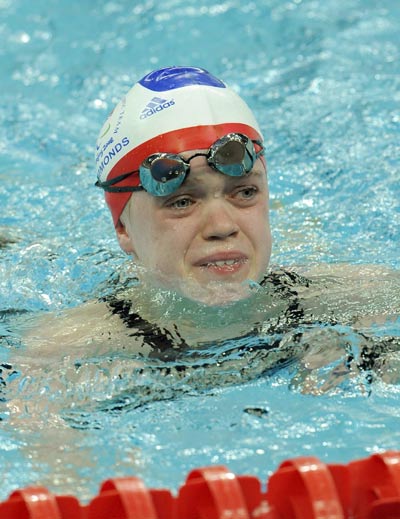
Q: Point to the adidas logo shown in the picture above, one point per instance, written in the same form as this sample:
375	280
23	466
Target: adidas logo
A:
155	105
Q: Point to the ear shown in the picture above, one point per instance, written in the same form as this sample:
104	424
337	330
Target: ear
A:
125	241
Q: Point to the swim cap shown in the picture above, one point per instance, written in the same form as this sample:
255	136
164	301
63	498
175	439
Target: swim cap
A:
172	110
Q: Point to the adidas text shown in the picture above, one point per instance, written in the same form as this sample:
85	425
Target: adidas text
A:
151	111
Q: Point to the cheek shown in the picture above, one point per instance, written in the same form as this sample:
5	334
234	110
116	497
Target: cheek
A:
140	228
157	245
262	233
176	241
260	219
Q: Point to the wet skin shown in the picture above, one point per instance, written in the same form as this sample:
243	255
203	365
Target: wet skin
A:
213	228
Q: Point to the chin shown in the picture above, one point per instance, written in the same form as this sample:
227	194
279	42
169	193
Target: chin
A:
217	293
206	290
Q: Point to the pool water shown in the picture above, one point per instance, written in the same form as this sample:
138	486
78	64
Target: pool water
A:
323	78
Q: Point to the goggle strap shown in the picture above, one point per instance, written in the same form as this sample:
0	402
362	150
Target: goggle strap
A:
257	154
108	184
262	148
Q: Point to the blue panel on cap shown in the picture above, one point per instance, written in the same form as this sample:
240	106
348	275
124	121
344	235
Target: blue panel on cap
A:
177	77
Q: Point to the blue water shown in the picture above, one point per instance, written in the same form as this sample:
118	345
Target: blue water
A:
323	78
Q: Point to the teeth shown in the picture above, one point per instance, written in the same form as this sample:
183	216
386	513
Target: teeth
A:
223	263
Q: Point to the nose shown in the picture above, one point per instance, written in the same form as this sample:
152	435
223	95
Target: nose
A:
219	221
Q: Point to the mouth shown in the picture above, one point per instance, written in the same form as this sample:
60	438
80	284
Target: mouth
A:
220	265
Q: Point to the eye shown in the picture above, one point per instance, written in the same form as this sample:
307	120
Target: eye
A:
181	203
247	192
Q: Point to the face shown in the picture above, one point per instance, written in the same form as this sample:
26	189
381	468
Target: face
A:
214	228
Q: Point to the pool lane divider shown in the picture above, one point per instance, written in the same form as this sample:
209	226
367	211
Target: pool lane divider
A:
301	488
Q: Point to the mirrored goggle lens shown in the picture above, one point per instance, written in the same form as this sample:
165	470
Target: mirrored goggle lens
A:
164	169
234	156
229	153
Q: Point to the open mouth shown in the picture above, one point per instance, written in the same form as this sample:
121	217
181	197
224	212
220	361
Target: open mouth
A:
223	263
224	266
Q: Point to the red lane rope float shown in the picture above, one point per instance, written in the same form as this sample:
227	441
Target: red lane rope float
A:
128	498
376	485
123	497
215	492
301	488
39	503
34	502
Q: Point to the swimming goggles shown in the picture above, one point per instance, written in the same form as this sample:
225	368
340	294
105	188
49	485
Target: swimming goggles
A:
163	173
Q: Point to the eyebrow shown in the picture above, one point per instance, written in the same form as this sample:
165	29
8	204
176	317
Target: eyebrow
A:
191	182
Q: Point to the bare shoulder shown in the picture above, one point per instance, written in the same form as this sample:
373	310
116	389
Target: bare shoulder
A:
346	271
89	329
361	281
359	294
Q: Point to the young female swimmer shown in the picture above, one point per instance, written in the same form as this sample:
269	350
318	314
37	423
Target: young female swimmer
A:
182	163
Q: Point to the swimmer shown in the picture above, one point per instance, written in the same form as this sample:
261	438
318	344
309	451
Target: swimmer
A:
182	162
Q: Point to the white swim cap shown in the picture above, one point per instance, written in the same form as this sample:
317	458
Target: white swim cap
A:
172	110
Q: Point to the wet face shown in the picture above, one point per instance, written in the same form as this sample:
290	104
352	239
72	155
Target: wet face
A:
214	228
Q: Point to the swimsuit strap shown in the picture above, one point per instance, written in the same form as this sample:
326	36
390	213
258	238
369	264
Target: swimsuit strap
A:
284	283
6	373
163	344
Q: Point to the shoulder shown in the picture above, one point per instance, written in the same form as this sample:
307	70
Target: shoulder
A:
363	296
366	273
89	329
